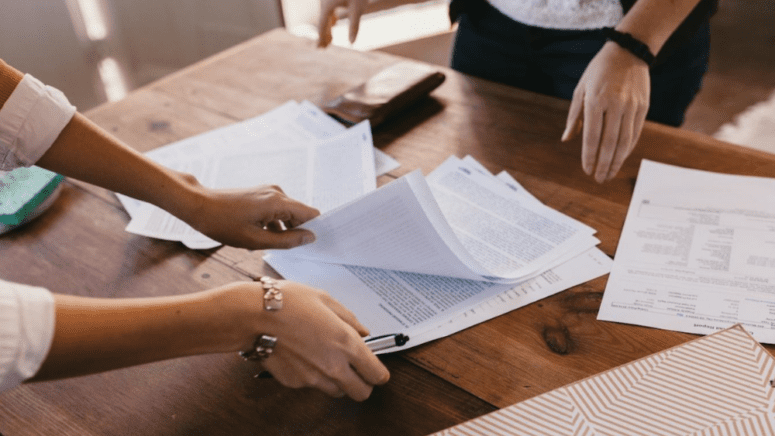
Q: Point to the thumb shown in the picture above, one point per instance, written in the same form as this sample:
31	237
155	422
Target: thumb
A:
573	123
356	10
346	315
326	21
285	239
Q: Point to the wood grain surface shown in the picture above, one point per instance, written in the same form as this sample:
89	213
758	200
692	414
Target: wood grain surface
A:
79	247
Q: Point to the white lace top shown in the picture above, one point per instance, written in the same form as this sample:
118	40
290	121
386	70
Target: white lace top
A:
562	14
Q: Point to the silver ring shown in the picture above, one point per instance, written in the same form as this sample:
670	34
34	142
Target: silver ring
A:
262	348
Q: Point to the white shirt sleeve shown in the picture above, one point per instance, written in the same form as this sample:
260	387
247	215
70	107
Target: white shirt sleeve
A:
30	121
26	331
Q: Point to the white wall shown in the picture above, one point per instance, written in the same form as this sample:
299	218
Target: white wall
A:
165	35
149	38
38	37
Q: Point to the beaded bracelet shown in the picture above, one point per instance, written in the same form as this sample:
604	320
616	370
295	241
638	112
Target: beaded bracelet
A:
631	44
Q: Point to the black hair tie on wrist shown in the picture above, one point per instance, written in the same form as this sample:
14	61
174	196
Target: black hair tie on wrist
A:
629	43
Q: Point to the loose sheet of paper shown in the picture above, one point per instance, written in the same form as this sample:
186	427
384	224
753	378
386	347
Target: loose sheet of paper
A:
323	174
697	253
296	146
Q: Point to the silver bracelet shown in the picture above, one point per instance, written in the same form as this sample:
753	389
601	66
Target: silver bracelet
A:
273	300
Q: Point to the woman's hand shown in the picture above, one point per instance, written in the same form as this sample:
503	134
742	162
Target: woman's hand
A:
319	341
609	105
328	18
255	218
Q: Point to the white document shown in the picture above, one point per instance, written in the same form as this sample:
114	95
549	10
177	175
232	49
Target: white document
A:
426	307
290	123
324	174
697	253
515	185
511	235
226	157
323	126
396	227
460	224
386	301
503	176
589	265
393	258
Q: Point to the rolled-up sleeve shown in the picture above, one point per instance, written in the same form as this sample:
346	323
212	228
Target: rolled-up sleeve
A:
30	121
26	331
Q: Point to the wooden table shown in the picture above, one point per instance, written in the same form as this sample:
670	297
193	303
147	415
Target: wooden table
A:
79	247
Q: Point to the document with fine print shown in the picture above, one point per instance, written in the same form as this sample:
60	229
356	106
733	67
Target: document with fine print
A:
430	256
296	146
696	259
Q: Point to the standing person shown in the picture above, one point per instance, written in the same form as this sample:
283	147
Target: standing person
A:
620	62
308	339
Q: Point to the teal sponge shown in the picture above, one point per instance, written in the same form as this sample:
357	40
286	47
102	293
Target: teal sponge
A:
24	193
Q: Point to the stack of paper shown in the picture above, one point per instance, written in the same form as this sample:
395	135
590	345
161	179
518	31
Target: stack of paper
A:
427	257
716	385
421	257
298	147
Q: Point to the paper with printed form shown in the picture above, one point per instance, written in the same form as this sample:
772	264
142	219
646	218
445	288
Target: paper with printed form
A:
406	269
697	253
714	385
296	146
323	174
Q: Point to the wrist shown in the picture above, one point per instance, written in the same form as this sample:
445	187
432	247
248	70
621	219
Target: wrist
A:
240	306
187	197
631	44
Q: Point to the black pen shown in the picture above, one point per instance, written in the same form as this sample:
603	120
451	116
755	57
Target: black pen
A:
375	344
378	343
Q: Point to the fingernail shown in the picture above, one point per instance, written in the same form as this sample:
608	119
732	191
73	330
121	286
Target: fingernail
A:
308	238
613	173
565	134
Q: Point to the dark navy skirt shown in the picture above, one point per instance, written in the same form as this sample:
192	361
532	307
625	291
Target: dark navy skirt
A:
492	46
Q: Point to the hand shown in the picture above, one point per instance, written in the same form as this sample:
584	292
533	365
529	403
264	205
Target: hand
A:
319	344
328	18
612	99
257	218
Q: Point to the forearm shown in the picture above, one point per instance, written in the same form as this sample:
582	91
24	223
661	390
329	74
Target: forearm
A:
86	152
93	335
653	21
